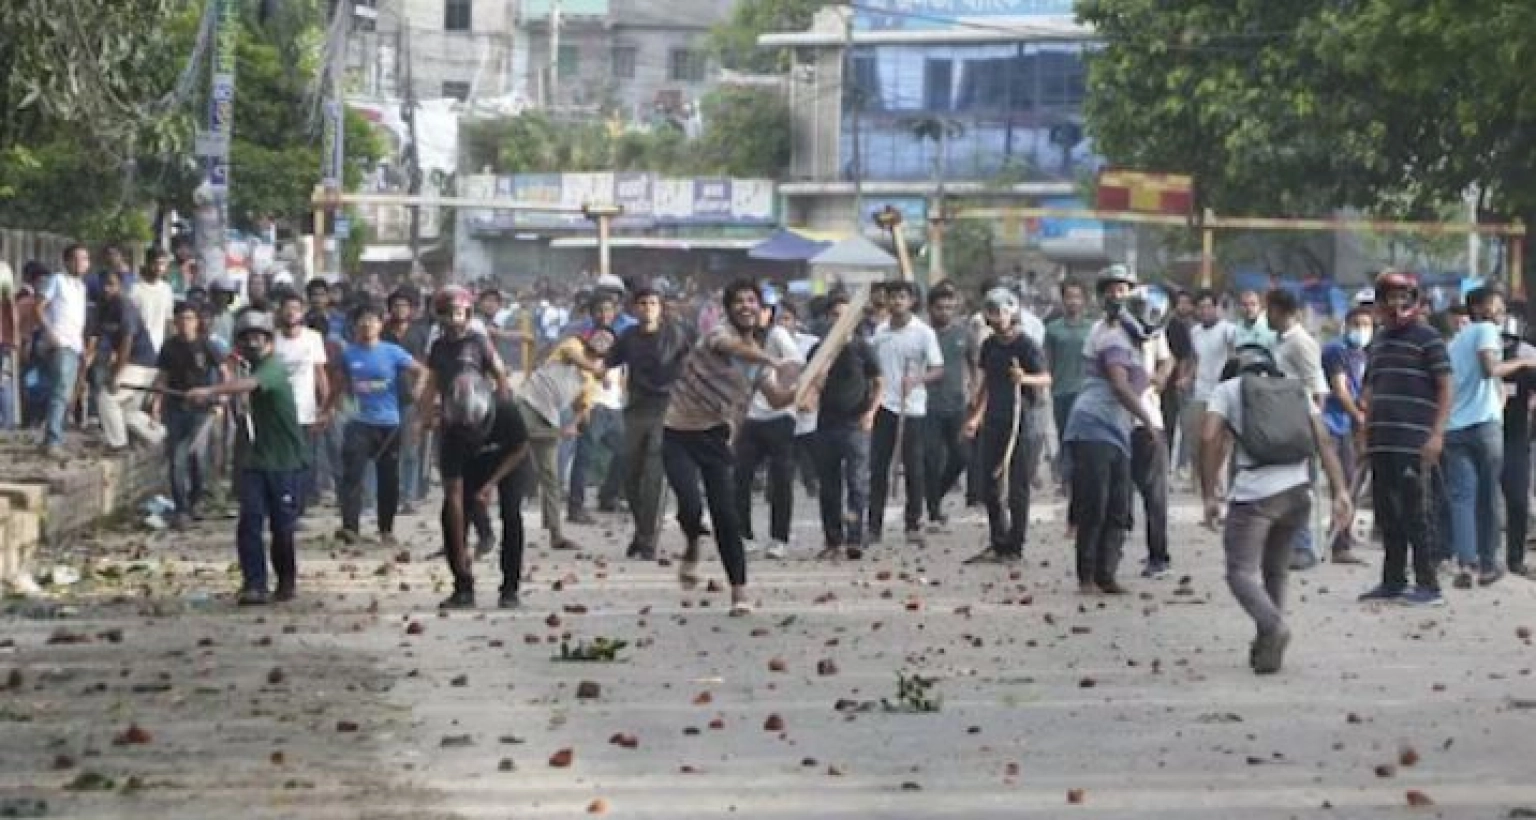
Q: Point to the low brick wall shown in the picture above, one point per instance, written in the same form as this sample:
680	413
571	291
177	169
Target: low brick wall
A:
44	502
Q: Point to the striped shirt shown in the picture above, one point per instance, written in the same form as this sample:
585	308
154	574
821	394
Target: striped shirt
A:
715	386
1405	366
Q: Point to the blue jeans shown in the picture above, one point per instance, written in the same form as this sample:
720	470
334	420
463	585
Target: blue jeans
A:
600	442
842	463
268	498
412	488
1474	461
63	370
189	466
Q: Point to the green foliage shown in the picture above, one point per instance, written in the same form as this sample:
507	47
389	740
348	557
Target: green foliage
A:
968	253
914	693
600	650
1302	106
734	42
746	134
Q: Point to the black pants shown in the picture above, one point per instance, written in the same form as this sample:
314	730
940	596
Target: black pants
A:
773	440
805	462
1007	534
1101	507
1517	499
948	455
642	467
882	449
842	460
692	456
1149	472
362	444
1401	493
510	494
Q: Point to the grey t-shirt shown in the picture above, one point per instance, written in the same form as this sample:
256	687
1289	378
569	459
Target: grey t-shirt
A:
948	394
1253	483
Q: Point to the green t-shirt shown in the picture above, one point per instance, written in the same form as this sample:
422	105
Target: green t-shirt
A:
279	444
1064	342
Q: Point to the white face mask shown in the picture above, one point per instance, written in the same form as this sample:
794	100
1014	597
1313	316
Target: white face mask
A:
1358	337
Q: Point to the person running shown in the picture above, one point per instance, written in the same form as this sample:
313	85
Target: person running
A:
846	398
653	352
1474	455
768	433
272	480
1270	501
1343	414
707	402
1012	368
489	459
947	450
1408	405
371	371
910	360
1098	435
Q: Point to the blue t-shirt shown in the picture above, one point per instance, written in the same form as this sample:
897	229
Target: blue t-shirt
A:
374	373
1339	357
1476	397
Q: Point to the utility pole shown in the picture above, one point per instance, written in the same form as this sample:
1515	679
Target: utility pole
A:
413	152
211	218
333	137
555	10
855	98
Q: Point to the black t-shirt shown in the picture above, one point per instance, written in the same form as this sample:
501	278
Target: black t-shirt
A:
1517	413
187	365
1180	343
655	360
459	447
471	353
414	342
997	357
846	395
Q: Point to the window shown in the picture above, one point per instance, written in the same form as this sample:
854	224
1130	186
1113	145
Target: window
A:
864	92
938	78
624	59
987	84
456	90
568	61
687	66
456	15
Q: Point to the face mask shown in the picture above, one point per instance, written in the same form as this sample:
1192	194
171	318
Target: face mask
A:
1112	306
1358	337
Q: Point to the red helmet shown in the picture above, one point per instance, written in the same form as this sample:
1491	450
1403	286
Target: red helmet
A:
451	298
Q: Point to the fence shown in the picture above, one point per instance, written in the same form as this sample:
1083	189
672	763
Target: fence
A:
18	247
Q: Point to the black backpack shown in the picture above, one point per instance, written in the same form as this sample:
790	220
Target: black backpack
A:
1277	420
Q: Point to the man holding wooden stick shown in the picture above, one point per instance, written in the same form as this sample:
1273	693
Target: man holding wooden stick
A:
846	396
910	358
1013	368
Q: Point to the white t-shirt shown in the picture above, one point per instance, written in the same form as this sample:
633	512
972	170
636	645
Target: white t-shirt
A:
1212	347
780	344
1254	483
66	299
909	350
805	423
1299	357
299	356
156	303
1154	351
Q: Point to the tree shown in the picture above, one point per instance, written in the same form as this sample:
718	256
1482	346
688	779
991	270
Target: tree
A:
1298	107
734	42
746	133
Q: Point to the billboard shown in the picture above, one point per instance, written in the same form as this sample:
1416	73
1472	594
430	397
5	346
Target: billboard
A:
647	200
917	15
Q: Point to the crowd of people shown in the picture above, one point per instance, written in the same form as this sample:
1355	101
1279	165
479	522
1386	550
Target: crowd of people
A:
300	395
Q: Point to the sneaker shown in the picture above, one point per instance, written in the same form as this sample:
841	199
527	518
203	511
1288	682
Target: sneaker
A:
484	545
1269	651
777	550
346	536
1112	588
1463	580
640	552
1420	596
508	600
252	597
1382	593
284	593
1302	560
25	585
853	553
750	546
740	609
992	555
829	554
1155	569
1490	577
460	599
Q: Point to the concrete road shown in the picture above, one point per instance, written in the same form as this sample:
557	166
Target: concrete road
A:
360	700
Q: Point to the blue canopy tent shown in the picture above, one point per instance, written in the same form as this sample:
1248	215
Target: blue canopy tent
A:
787	246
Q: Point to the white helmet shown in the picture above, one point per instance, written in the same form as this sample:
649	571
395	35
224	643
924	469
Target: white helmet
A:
1004	300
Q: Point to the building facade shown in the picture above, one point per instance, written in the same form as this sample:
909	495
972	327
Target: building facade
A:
894	102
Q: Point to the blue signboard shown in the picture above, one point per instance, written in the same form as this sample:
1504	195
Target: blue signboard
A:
711	198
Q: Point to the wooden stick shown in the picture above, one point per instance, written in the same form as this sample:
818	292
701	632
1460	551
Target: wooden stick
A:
832	344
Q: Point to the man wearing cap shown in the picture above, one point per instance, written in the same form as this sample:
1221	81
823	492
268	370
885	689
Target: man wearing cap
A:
1098	435
271	485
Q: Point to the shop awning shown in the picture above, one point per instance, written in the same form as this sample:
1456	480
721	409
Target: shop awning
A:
788	246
